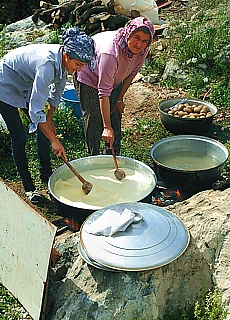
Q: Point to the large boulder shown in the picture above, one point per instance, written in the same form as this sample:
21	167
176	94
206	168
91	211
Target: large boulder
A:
81	291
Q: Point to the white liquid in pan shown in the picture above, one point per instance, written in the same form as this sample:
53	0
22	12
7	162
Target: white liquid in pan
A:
188	160
106	191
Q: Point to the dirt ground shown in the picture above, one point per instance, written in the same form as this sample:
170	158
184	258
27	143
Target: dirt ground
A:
142	99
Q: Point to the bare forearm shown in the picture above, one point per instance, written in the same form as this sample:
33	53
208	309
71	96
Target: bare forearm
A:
50	133
125	85
119	104
105	112
107	134
50	113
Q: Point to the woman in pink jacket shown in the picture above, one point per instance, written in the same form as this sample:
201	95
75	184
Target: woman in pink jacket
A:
120	56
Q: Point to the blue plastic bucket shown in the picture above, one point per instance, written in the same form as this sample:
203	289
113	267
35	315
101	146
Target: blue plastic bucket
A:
70	100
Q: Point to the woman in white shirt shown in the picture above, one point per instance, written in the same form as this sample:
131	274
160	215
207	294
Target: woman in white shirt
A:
30	76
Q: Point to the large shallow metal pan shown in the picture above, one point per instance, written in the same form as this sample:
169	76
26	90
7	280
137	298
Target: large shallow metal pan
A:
104	162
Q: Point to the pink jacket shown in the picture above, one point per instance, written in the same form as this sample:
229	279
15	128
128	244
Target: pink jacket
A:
112	65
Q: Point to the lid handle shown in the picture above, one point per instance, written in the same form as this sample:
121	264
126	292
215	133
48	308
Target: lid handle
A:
138	217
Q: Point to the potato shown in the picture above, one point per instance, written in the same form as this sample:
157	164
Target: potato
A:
197	109
203	110
187	109
181	113
206	108
180	107
203	114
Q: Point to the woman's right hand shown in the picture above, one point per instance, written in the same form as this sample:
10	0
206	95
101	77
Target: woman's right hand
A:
108	136
58	148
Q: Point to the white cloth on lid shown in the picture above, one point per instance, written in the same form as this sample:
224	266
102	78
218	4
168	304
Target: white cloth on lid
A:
110	222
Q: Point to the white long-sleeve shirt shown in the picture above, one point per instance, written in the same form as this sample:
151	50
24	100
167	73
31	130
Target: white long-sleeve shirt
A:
33	74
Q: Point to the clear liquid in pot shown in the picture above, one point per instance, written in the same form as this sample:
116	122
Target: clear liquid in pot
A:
188	160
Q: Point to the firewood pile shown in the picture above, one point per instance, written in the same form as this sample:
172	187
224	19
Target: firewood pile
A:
91	15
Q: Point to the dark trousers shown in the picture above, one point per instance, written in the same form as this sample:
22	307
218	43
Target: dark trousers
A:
18	142
92	119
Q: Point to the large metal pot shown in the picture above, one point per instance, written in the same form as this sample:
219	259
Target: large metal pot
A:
188	179
177	125
105	162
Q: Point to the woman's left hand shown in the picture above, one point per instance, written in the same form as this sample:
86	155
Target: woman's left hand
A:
120	106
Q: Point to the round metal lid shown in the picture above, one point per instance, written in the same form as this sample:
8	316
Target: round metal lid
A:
156	238
90	261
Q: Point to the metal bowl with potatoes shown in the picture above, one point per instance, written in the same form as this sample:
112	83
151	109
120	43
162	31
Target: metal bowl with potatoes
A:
187	116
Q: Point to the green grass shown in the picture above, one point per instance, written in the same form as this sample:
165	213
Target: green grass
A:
137	141
10	309
198	42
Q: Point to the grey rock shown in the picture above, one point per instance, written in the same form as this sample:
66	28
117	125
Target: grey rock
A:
173	72
23	25
91	293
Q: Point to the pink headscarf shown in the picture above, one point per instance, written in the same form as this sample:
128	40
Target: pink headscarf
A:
123	34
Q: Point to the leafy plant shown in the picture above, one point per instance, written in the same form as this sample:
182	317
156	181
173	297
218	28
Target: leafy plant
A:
56	33
210	306
198	42
2	42
137	141
9	308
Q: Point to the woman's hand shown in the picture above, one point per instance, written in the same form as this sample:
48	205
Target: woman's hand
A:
120	106
58	148
108	136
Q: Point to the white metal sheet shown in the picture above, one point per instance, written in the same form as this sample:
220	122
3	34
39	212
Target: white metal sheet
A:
26	240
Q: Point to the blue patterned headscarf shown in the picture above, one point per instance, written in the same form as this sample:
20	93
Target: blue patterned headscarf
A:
123	34
78	45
